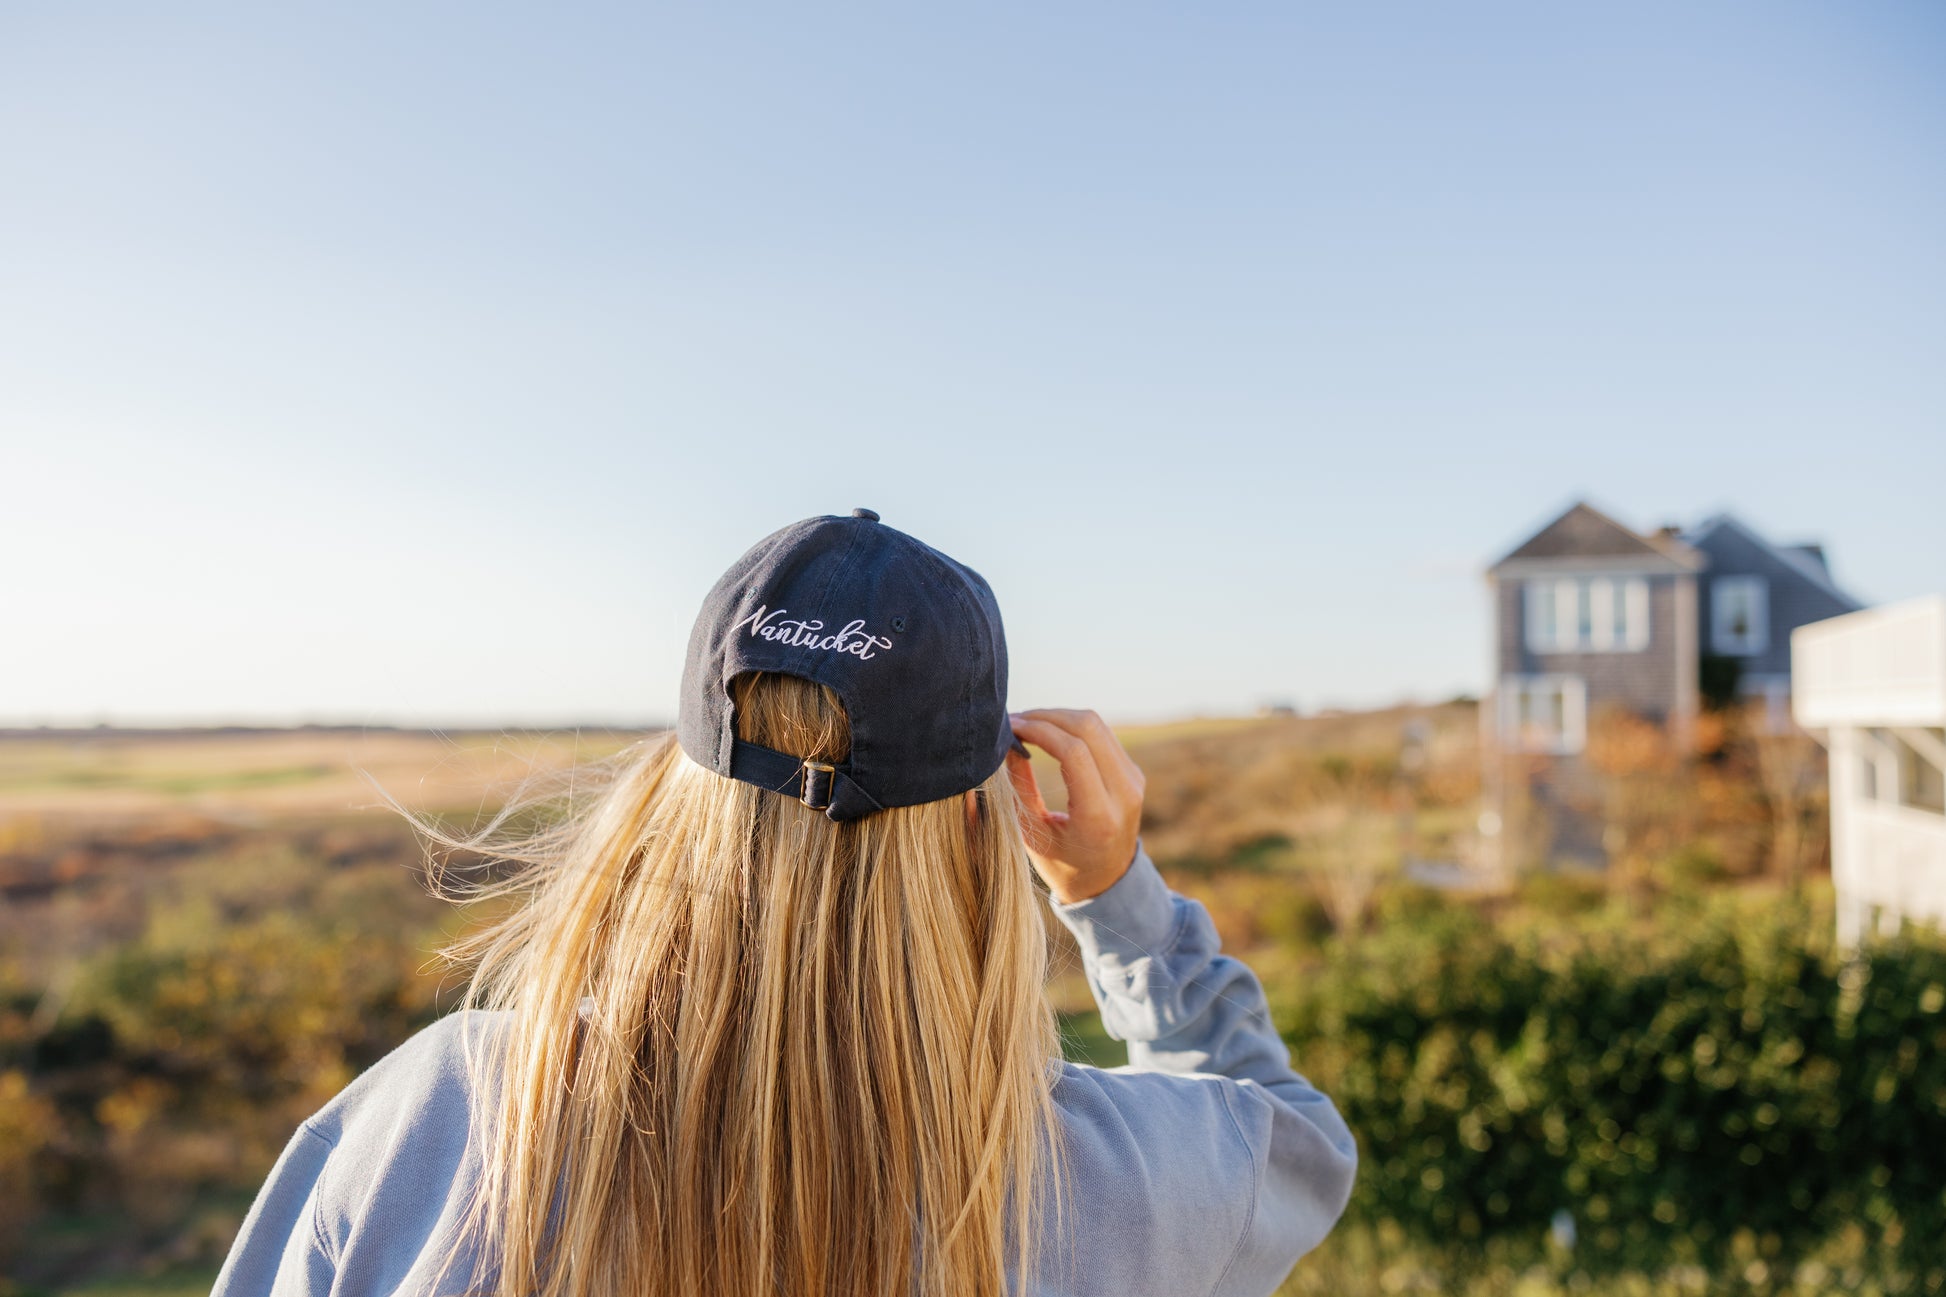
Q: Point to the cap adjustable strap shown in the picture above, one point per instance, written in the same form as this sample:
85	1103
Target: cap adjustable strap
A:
820	785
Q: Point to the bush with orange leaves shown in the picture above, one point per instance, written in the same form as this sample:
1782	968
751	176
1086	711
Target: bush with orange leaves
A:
1736	793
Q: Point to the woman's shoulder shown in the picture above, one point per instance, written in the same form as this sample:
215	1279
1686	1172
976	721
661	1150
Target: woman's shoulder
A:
403	1153
1162	1178
427	1081
1124	1113
372	1179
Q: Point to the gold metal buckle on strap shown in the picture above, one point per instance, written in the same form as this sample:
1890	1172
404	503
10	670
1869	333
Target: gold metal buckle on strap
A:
830	783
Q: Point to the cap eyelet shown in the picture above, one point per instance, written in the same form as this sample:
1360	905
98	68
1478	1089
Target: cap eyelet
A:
898	623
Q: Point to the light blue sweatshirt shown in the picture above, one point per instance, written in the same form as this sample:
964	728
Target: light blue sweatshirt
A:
1205	1166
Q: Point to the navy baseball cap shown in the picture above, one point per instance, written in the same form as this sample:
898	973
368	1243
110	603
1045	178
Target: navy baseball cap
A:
908	639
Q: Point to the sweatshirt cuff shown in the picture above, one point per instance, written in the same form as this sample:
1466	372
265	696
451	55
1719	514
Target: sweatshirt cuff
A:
1134	918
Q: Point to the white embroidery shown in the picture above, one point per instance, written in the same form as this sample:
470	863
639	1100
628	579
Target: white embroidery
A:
803	632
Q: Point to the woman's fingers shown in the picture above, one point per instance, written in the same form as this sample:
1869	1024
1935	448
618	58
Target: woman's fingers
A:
1118	771
1084	852
1086	792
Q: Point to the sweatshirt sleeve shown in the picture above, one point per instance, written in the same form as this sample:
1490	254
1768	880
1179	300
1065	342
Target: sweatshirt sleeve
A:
1185	1009
277	1253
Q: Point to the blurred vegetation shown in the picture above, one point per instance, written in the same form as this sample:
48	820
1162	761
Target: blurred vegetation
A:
1716	1096
150	1076
1656	1080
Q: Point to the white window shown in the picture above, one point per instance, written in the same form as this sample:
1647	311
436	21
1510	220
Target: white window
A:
1544	713
1739	615
1905	766
1924	775
1587	614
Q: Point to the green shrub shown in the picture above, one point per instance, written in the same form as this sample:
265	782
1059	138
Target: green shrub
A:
183	1059
1727	1095
1293	915
1564	894
1695	865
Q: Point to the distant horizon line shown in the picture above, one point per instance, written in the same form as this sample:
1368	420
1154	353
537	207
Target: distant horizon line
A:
157	728
68	728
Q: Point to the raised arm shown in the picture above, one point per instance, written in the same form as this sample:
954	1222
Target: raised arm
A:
1185	1009
1164	986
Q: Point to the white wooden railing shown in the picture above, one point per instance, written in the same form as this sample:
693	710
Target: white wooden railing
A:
1891	864
1882	666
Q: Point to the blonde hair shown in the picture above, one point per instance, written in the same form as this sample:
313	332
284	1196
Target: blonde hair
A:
747	1049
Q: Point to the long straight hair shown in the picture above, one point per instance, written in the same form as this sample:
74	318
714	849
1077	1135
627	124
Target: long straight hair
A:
748	1050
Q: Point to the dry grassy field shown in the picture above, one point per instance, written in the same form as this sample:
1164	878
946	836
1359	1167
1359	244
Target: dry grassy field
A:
90	812
98	826
106	774
95	824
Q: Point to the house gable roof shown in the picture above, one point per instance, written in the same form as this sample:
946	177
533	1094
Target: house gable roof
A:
1809	565
1586	533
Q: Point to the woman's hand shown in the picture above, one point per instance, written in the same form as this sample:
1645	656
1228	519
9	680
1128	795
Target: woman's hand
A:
1083	851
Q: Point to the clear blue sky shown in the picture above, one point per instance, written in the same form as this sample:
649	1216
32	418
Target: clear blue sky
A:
427	362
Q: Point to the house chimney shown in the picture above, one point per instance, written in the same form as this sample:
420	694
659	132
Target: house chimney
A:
1813	551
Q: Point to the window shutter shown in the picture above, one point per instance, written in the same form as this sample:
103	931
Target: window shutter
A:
1538	596
1603	633
1567	614
1637	603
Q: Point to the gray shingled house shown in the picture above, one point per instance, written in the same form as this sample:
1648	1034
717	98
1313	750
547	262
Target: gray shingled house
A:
1590	613
1752	596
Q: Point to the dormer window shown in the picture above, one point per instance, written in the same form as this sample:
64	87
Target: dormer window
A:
1739	615
1589	614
